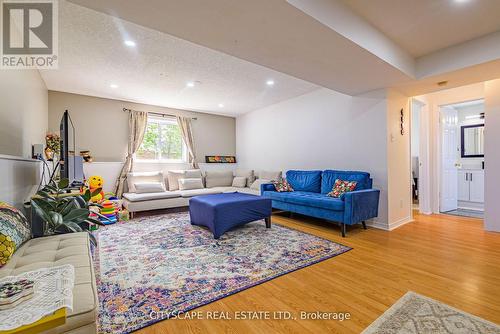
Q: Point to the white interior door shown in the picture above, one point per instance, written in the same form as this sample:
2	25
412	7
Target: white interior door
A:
449	155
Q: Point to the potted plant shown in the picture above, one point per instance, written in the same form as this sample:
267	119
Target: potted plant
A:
65	214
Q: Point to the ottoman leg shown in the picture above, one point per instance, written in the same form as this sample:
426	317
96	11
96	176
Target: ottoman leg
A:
268	222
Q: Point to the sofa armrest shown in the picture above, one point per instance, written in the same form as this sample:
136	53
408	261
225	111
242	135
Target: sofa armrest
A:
267	187
360	205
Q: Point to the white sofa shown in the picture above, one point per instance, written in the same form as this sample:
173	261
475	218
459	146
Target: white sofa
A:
172	196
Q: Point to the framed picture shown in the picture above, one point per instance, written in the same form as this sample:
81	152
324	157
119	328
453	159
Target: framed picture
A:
221	159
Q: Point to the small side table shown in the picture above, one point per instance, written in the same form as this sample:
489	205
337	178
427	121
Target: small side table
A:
58	318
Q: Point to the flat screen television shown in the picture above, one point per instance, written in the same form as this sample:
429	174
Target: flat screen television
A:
71	166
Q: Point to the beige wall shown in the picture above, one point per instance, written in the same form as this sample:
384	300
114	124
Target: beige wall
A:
492	156
102	126
23	111
398	160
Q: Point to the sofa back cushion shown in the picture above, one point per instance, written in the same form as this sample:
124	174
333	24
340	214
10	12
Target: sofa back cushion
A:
143	177
149	187
305	180
328	178
218	178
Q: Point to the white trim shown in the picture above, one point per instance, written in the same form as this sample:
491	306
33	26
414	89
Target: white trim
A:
391	226
17	158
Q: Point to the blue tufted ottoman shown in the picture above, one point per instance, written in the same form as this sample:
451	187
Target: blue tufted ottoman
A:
221	212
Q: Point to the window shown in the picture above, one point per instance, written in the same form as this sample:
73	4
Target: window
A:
162	141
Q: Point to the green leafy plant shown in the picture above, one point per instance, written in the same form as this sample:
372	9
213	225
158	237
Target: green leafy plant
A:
64	214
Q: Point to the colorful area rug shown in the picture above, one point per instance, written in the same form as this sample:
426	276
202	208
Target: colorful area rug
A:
164	266
416	314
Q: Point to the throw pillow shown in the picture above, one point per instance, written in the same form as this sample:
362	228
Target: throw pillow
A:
341	187
247	173
239	182
173	177
141	177
14	231
282	186
149	187
256	184
188	184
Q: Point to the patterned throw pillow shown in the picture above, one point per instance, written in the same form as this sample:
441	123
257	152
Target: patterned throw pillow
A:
282	186
14	231
341	187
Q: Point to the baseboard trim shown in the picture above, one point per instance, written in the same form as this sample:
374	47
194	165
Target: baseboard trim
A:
391	226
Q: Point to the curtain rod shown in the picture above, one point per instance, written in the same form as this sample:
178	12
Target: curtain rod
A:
158	114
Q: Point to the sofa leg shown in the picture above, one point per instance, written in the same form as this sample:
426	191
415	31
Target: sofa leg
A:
268	222
342	226
364	224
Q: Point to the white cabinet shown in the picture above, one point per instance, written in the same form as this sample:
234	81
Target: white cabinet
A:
463	185
476	186
471	186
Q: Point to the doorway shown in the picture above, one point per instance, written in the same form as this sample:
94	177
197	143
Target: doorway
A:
416	114
462	159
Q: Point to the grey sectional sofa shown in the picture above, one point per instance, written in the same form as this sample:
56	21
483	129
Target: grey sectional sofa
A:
213	182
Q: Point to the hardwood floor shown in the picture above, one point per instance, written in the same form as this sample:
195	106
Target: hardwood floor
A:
448	258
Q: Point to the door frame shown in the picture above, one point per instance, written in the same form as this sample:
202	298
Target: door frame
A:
424	189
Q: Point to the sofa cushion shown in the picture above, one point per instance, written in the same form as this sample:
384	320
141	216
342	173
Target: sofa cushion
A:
188	184
247	174
134	197
141	177
218	178
149	187
305	198
257	183
329	176
55	251
305	180
197	192
173	177
193	174
239	182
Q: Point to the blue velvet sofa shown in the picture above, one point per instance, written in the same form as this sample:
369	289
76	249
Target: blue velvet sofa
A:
310	196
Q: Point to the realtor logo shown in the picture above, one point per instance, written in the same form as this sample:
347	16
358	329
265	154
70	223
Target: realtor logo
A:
29	34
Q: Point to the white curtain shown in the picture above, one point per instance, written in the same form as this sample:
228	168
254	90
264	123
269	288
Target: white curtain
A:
187	136
137	123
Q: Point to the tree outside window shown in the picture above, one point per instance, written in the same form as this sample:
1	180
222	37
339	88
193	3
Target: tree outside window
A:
162	141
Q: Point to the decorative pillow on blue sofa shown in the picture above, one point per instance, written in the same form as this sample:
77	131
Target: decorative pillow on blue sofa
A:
341	187
282	186
305	180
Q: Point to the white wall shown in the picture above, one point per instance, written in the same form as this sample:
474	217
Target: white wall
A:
322	130
492	156
102	126
23	111
23	122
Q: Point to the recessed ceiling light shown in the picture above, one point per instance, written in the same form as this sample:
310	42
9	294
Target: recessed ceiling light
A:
461	1
270	82
130	43
113	86
221	105
190	84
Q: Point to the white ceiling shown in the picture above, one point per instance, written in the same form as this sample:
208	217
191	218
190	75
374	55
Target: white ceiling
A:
274	34
424	26
351	46
92	56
